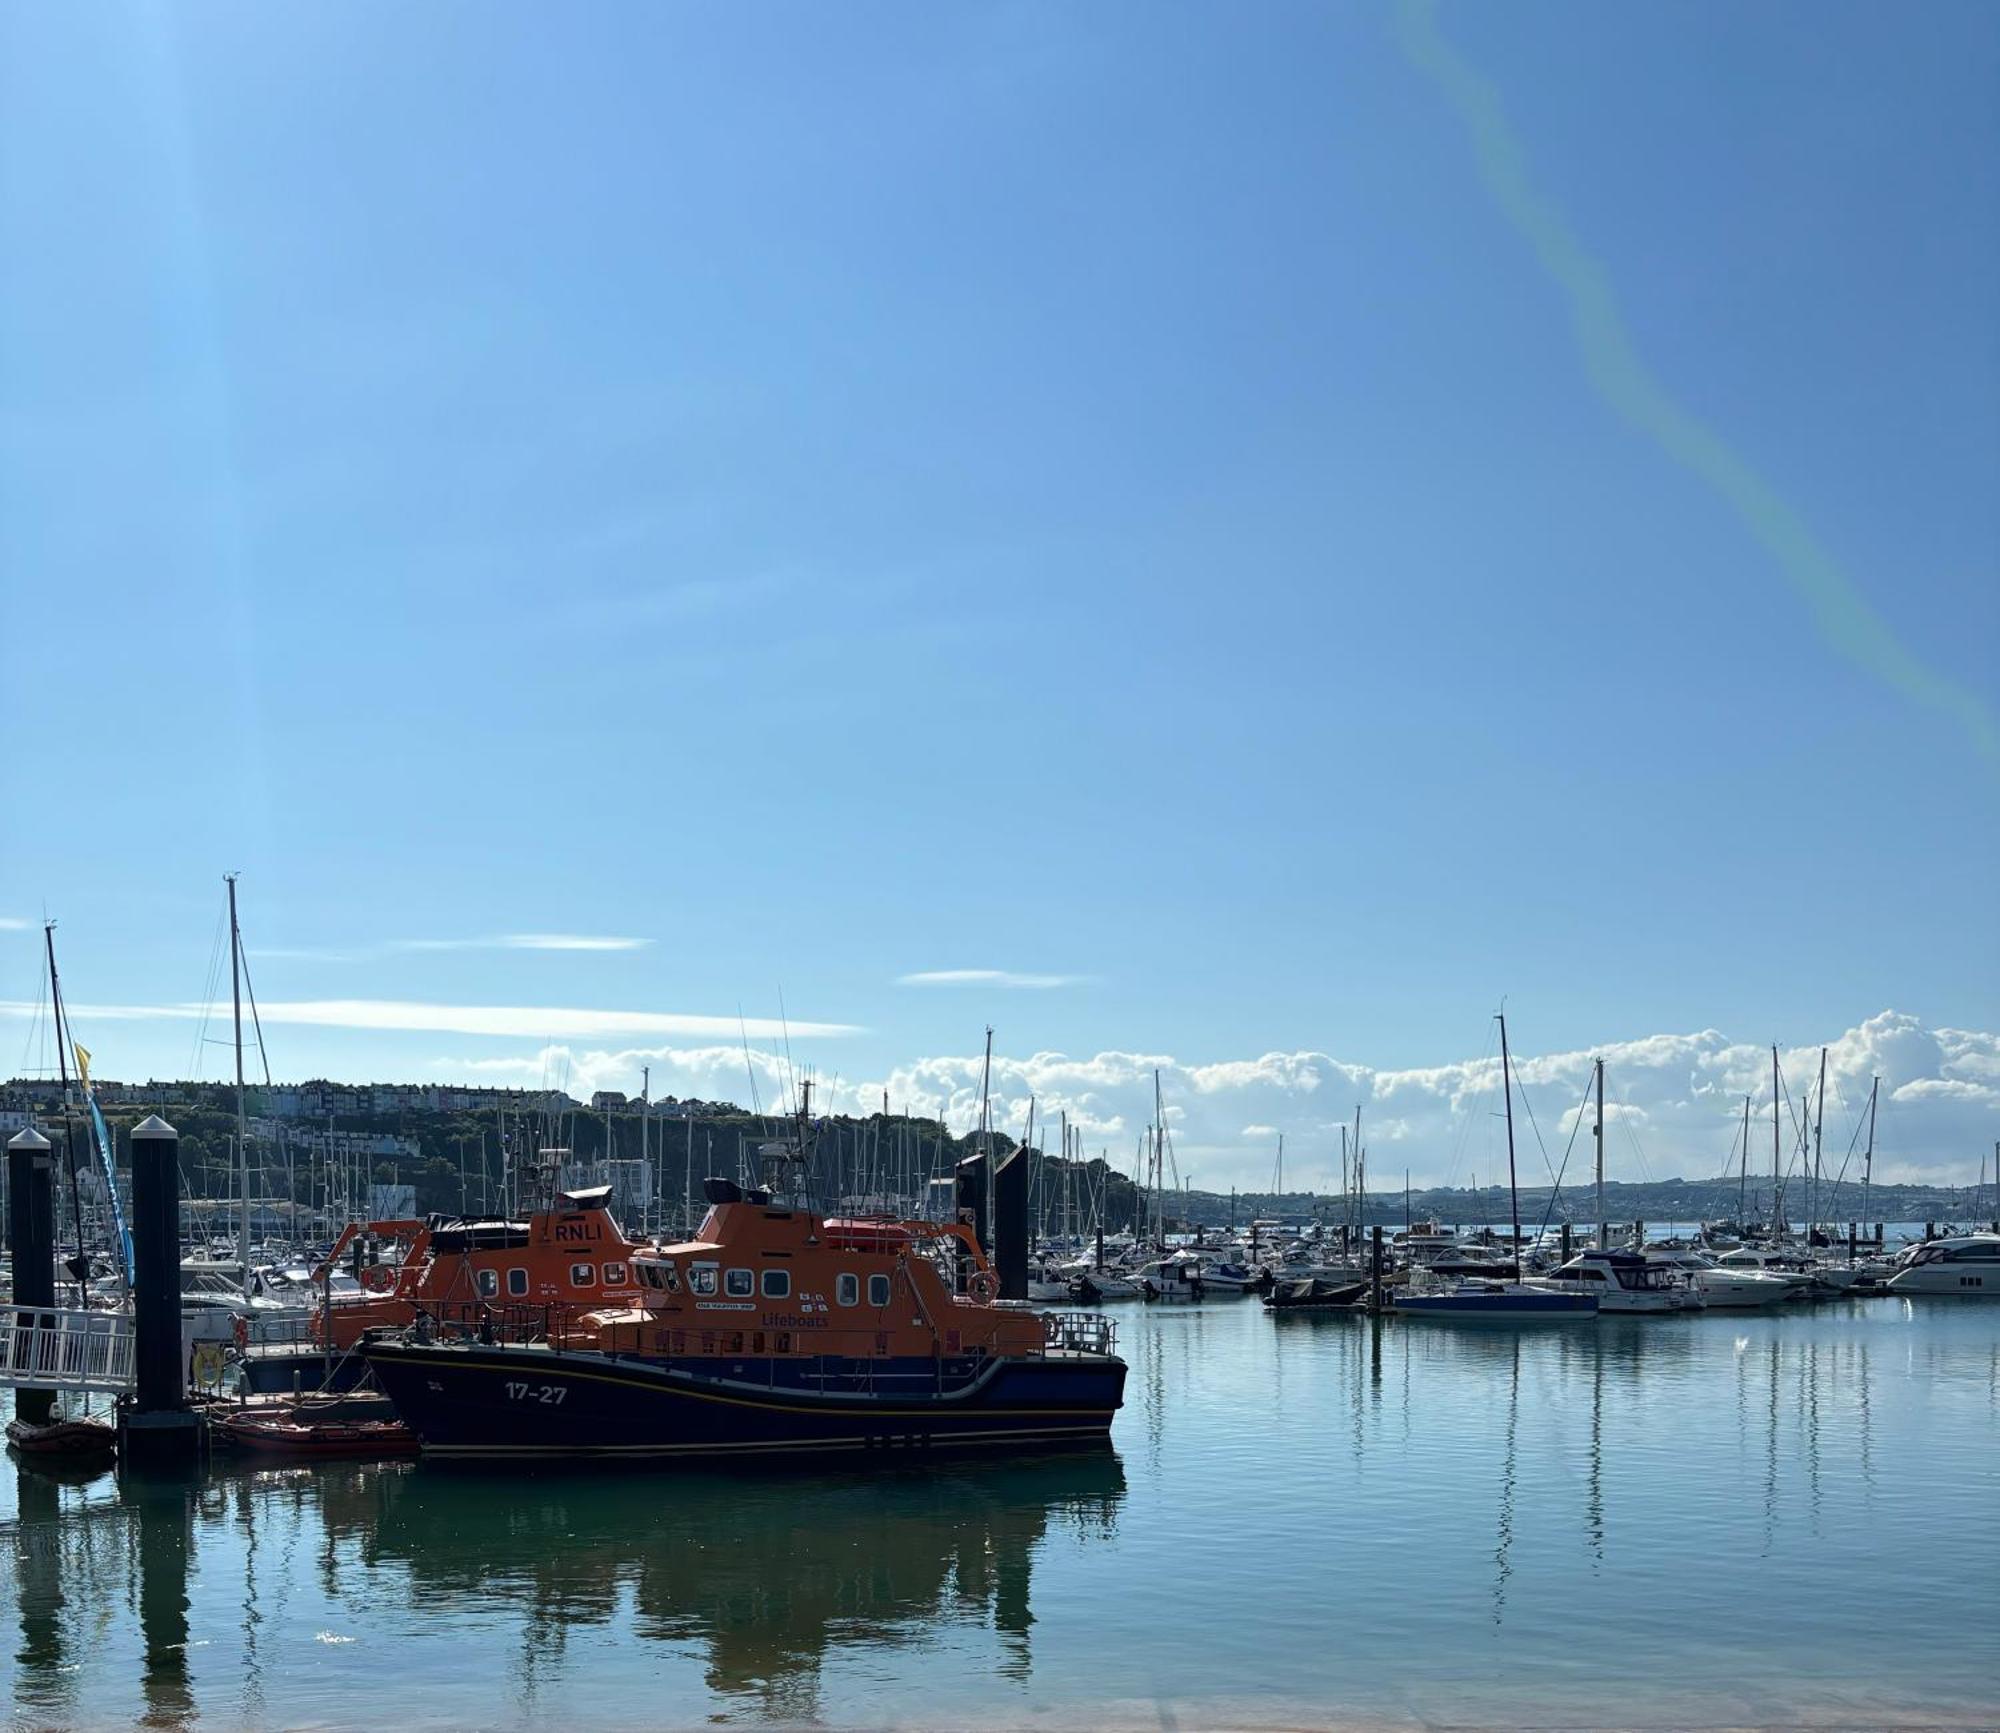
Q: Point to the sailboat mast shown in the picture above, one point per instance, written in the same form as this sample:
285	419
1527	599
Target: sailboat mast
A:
985	1139
1777	1206
1513	1192
1159	1164
1603	1228
62	1071
1818	1204
242	1123
1743	1168
1868	1160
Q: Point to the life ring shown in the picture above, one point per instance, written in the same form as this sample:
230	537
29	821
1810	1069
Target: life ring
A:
983	1286
207	1367
379	1278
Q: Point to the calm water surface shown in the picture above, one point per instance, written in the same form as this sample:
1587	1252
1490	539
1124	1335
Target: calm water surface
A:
1302	1521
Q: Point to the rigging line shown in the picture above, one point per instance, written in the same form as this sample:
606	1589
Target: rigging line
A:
35	1031
757	1106
1555	1192
208	991
1520	1090
1632	1137
263	1057
1465	1121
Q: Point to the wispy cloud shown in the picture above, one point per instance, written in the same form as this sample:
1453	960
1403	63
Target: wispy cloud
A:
525	942
527	1022
1843	615
987	978
12	924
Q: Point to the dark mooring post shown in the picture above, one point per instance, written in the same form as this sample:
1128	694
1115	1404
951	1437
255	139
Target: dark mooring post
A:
31	1243
969	1201
1375	1268
156	1428
1010	1225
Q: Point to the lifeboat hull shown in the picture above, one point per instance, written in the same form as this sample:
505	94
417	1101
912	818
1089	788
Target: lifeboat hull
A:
475	1401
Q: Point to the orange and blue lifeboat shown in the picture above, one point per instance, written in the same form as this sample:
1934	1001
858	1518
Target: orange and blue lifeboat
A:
773	1329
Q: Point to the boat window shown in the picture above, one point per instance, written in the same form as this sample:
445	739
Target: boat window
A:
583	1275
777	1284
670	1276
517	1281
650	1275
878	1290
701	1278
739	1284
847	1288
614	1275
489	1283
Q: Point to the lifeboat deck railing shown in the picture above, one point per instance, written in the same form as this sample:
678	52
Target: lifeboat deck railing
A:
1079	1333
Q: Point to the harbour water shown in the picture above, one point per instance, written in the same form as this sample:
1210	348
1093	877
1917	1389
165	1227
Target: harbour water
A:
1303	1521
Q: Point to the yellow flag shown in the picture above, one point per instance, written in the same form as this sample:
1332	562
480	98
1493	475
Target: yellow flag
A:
82	1062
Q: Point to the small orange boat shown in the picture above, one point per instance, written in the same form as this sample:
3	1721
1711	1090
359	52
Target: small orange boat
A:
567	1258
64	1440
295	1439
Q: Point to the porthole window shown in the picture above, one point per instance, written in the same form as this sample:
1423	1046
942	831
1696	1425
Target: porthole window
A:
701	1278
777	1284
517	1282
739	1284
878	1290
583	1275
489	1283
614	1275
847	1288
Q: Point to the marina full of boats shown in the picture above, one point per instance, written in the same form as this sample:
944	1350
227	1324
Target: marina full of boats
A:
774	1323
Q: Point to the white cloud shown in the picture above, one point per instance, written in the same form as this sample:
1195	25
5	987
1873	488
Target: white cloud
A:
986	978
529	1022
1674	1103
12	924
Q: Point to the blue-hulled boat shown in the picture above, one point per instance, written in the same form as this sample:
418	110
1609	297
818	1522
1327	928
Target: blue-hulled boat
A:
1483	1302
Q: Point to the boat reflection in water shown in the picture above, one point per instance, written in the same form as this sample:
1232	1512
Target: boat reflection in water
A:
770	1572
758	1579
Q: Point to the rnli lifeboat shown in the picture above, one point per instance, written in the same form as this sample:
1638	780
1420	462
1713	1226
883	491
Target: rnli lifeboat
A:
773	1329
565	1260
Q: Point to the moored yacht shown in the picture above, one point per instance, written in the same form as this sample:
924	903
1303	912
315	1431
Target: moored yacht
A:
1967	1267
1623	1282
1723	1287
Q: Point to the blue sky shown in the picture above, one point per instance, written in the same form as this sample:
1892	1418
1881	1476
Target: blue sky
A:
1100	492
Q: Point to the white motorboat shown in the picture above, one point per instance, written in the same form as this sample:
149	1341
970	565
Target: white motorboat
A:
1965	1267
1719	1287
1781	1262
1624	1282
1173	1278
1093	1286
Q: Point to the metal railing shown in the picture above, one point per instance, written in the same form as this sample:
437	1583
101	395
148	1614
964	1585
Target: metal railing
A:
1079	1333
46	1348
